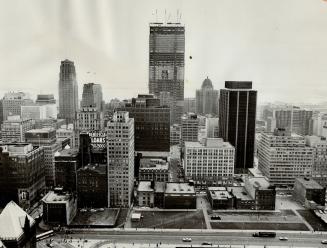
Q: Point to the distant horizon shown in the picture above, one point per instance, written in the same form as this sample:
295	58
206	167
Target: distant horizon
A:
278	45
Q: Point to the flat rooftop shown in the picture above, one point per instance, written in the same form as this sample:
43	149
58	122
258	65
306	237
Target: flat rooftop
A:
213	143
145	186
155	164
309	183
68	152
53	197
240	193
179	188
152	154
259	182
41	130
219	193
100	168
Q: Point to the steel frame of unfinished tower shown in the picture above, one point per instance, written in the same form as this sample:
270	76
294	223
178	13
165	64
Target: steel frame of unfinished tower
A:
166	64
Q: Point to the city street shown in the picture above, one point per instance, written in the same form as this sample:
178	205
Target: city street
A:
164	238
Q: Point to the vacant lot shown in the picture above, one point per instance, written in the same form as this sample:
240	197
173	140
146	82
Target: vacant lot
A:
259	226
171	220
284	216
316	223
106	218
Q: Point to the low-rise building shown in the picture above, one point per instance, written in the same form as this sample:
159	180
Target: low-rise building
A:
179	196
59	208
92	186
307	190
261	191
17	228
154	169
145	194
220	198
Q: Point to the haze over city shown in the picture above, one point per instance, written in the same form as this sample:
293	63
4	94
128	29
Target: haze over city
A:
279	45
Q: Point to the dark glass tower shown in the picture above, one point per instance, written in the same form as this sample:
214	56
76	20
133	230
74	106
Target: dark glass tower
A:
68	91
237	114
166	64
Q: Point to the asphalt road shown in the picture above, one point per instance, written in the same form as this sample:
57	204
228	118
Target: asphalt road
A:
231	238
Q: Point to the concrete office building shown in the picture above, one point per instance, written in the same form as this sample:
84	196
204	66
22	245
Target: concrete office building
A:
207	99
89	118
212	160
120	150
12	102
34	112
22	174
92	96
151	123
68	91
14	129
283	156
319	168
189	128
237	115
166	63
45	137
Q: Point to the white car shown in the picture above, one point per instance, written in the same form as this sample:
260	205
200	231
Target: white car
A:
324	242
283	238
187	240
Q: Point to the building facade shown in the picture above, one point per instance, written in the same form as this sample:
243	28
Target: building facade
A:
66	163
46	138
207	99
189	128
68	91
283	156
92	186
120	150
22	174
89	118
12	102
212	160
237	115
319	168
151	123
92	96
154	170
166	63
14	129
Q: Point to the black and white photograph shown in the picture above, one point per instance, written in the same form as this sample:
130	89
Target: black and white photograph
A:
163	123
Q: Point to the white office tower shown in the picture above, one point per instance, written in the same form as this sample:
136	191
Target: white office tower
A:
284	156
212	160
120	153
319	169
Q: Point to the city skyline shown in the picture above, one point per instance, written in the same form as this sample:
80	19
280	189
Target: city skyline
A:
279	51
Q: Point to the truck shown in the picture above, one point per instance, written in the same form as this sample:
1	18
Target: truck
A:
264	234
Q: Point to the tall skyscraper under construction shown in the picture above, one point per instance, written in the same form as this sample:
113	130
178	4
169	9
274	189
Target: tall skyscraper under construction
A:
68	91
166	64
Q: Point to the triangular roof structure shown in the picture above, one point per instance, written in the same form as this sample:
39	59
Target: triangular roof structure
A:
12	221
2	245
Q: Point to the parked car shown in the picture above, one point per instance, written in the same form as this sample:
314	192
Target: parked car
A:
187	240
283	238
324	242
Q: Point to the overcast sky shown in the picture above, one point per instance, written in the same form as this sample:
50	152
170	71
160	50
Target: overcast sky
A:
281	45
